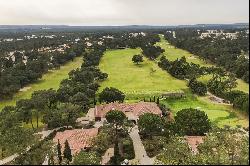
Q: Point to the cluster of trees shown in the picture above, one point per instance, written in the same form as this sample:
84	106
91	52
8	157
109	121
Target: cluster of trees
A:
66	152
128	40
239	99
152	52
38	41
62	107
156	131
219	147
14	138
226	52
110	95
57	108
187	122
29	67
197	87
181	69
222	84
36	154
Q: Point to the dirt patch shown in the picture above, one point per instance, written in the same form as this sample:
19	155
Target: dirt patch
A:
25	89
217	100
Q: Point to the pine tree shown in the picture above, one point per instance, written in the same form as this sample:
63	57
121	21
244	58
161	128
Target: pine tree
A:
154	98
117	156
51	160
158	100
59	152
94	101
67	151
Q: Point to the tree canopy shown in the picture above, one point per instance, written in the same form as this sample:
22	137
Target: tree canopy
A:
192	122
109	95
137	59
150	124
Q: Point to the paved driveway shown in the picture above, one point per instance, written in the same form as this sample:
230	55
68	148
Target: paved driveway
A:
140	153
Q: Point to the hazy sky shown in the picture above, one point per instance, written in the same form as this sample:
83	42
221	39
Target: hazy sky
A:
123	12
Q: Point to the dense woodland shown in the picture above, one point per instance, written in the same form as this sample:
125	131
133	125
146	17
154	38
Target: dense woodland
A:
225	52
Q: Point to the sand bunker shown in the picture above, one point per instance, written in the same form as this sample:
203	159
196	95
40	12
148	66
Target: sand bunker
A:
25	89
191	57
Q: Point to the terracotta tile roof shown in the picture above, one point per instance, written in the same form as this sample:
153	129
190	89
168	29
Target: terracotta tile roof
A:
78	138
194	141
136	108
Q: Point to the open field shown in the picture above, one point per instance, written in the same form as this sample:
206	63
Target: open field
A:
220	114
49	80
172	54
136	80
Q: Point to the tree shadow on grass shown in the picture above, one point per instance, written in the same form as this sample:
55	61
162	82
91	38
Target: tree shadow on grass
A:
230	116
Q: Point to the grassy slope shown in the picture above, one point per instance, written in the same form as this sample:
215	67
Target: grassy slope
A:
218	113
49	80
136	80
174	53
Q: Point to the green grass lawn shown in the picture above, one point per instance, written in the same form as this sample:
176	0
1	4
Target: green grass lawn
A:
172	54
218	113
49	80
136	80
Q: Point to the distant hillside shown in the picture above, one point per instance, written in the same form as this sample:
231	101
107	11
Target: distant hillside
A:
25	28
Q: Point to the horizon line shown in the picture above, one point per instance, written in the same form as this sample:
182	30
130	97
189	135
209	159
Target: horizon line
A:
122	25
